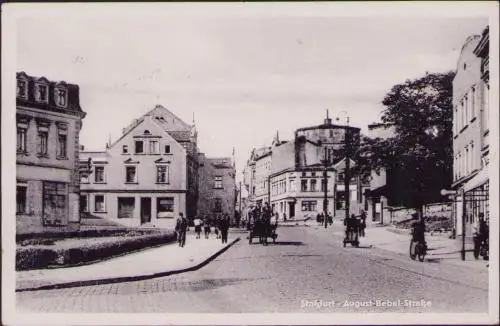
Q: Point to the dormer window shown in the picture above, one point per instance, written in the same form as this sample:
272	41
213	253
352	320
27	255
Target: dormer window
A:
22	88
61	97
42	91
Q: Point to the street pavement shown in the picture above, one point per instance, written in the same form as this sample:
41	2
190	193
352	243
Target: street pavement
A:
306	270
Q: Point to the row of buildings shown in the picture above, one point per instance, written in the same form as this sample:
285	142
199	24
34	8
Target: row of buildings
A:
289	174
292	176
153	172
471	130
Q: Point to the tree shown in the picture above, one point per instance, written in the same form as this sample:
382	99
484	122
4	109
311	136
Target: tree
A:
420	155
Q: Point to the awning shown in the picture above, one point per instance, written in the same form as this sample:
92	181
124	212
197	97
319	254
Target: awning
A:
477	180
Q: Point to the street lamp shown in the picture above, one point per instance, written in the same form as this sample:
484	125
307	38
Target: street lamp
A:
347	178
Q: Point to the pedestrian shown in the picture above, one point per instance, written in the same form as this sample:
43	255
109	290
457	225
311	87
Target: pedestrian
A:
181	228
284	217
197	227
330	218
277	218
362	223
206	227
224	227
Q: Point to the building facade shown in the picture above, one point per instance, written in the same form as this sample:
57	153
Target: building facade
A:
471	133
143	177
290	174
48	120
217	188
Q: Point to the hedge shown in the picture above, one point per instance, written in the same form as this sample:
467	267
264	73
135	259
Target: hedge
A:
37	257
92	233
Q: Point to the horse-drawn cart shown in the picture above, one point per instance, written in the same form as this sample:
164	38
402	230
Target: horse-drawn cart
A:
263	231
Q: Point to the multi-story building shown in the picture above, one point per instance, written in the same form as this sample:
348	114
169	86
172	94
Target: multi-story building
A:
49	120
144	177
470	133
217	188
289	174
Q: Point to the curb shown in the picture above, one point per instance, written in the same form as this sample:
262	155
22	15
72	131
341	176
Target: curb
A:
129	278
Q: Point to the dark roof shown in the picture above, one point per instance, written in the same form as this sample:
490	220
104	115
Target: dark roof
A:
73	91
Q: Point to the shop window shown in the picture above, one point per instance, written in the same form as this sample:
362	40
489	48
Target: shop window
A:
165	207
309	205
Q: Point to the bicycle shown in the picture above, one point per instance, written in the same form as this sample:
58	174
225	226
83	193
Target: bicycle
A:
418	250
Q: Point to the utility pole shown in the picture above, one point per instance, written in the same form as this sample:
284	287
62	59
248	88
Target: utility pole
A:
325	188
241	213
463	223
347	177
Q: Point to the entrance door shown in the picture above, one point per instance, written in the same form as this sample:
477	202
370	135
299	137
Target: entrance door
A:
145	210
291	209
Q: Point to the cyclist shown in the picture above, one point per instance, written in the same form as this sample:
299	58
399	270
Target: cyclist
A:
418	230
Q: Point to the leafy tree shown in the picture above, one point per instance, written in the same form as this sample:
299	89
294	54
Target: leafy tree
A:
420	155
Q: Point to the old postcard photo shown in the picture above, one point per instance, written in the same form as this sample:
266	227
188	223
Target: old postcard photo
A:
250	163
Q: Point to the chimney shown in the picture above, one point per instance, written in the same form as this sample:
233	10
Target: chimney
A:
328	121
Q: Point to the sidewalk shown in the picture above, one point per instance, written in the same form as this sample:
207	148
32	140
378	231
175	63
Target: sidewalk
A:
149	263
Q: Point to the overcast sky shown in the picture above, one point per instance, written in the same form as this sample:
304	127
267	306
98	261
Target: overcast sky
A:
243	75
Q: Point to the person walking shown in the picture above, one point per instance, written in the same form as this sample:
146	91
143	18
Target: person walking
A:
181	228
224	227
197	227
362	224
206	227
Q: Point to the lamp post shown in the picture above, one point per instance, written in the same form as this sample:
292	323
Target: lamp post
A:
347	177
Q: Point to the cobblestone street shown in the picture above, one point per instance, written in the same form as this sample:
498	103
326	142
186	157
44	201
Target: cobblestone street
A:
307	270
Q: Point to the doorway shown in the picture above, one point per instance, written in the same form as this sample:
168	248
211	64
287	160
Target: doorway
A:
291	207
145	210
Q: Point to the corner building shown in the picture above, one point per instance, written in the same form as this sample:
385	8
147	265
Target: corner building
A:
48	121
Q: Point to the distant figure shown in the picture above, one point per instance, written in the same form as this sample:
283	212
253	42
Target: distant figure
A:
197	227
362	224
284	217
224	227
181	228
418	229
206	227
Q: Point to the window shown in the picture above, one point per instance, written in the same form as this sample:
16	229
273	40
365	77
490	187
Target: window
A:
218	205
61	146
125	149
313	174
466	108
473	103
167	149
471	164
99	174
21	137
99	205
147	132
131	175
304	174
340	177
309	205
139	147
154	147
162	174
43	138
313	185
22	88
42	93
62	131
218	182
292	185
323	185
165	207
60	97
486	109
21	199
303	185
